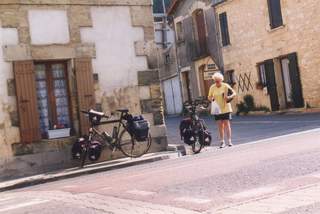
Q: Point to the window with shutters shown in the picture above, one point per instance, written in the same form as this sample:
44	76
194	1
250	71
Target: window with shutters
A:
52	97
275	13
224	29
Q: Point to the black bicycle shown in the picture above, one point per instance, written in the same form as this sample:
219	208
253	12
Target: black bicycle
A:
193	130
131	135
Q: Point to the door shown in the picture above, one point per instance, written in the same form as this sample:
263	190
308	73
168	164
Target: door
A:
271	85
287	82
173	97
186	85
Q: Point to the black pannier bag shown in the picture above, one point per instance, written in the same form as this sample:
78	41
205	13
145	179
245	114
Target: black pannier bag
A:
139	128
186	133
77	148
94	152
206	138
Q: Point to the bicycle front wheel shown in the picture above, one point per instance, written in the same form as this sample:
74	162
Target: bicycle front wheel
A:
130	147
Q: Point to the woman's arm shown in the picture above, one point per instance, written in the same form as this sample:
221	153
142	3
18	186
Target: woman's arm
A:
233	92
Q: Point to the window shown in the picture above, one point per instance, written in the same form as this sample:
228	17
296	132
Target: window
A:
262	75
52	95
230	77
179	30
224	29
275	13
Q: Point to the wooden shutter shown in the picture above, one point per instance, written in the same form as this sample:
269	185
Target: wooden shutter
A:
85	90
212	38
224	29
189	41
27	101
275	13
296	92
272	85
201	28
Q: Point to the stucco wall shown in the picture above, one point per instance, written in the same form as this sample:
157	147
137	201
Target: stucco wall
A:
252	41
117	34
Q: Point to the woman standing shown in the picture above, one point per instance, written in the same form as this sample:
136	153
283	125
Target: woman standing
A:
222	94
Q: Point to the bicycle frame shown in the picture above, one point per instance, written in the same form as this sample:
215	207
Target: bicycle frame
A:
93	130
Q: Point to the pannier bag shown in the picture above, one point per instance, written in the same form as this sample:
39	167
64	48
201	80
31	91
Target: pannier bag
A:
77	148
139	128
94	151
186	133
206	138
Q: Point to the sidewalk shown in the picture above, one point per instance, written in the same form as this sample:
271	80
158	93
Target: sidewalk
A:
88	169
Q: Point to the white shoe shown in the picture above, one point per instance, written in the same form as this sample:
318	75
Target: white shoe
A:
230	144
222	145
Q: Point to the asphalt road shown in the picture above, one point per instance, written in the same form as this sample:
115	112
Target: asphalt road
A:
252	128
206	183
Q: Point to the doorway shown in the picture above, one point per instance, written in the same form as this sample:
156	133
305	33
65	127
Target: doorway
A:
172	95
291	81
271	83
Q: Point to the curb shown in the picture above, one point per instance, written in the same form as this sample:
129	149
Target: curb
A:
41	179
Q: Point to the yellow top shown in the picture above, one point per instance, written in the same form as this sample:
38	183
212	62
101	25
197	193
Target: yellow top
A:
219	94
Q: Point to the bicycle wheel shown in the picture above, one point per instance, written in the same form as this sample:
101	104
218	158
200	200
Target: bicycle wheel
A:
130	147
197	146
84	155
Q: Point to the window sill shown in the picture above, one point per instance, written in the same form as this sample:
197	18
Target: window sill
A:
271	30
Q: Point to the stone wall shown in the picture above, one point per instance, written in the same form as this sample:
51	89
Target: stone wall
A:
252	42
134	83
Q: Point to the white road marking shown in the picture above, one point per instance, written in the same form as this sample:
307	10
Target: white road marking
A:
193	200
253	192
140	192
282	136
23	205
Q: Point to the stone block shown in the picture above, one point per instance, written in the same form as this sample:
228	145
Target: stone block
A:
148	77
140	48
158	118
141	16
11	88
19	149
85	50
151	106
144	92
14	118
155	91
52	52
16	52
158	131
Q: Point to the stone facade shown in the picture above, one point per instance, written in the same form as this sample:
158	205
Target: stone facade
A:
253	41
128	42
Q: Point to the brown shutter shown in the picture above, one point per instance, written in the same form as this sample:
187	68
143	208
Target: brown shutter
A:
27	101
86	97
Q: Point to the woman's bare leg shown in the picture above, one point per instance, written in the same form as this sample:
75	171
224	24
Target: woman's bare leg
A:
221	133
228	130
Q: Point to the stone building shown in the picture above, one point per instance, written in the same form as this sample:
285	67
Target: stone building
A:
59	57
168	69
272	47
197	47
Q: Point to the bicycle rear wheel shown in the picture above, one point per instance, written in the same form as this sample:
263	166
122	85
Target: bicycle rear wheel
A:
130	147
197	146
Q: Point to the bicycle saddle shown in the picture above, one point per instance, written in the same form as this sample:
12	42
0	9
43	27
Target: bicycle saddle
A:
123	110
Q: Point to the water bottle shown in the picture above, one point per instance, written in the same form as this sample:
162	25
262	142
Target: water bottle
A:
115	132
